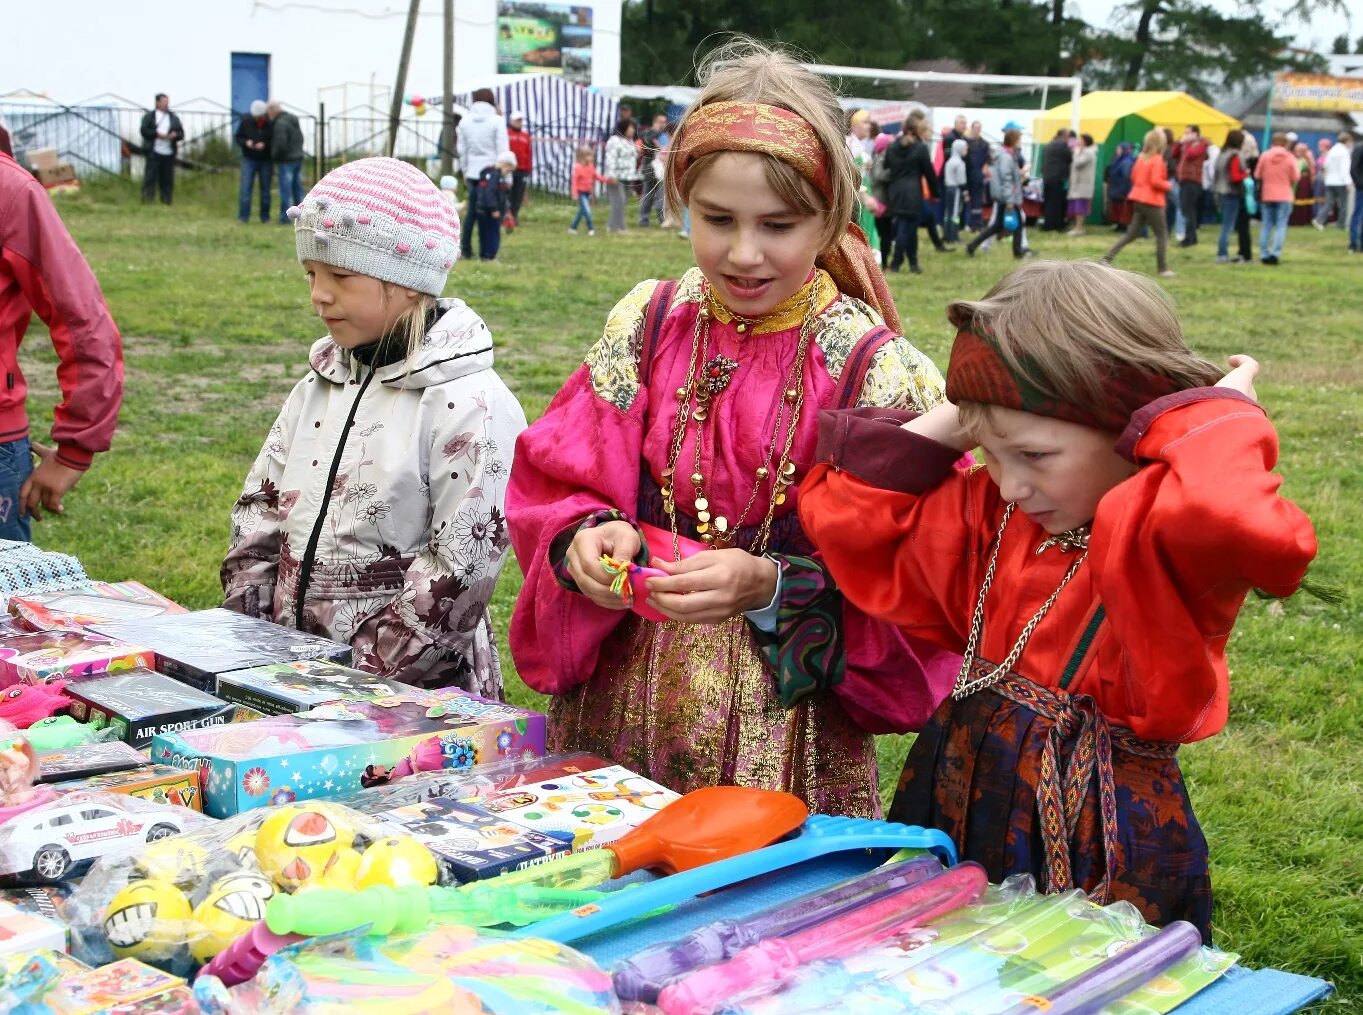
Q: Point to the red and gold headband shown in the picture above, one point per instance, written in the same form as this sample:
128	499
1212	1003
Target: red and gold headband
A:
978	372
760	129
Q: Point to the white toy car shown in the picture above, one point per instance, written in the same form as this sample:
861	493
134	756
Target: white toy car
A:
52	839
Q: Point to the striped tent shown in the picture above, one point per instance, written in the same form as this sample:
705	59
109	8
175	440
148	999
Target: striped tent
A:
560	117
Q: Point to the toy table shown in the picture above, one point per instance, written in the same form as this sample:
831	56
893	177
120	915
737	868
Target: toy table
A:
1244	991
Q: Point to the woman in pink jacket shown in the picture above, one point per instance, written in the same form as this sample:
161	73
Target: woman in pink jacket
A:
1277	173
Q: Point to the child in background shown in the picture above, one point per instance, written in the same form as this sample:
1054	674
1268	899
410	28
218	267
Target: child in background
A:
696	415
492	204
955	192
374	513
1091	574
585	179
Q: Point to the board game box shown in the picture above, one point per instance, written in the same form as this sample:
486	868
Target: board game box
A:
281	688
142	704
195	647
587	809
44	656
472	843
337	749
67	763
160	784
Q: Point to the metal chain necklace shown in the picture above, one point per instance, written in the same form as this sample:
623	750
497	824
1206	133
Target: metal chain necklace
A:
1074	539
707	378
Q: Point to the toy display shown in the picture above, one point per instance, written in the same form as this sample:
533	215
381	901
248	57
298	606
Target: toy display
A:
158	783
22	932
444	970
472	842
65	764
142	705
48	842
584	810
195	647
339	748
24	704
90	603
178	902
280	688
48	655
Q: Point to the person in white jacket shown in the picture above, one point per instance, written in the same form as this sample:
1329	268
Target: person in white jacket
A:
374	514
481	137
1338	183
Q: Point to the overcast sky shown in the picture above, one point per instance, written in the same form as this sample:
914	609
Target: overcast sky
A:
1317	35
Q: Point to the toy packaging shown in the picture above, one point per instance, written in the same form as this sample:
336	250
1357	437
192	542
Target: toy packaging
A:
89	759
336	749
91	603
22	932
281	688
584	810
25	569
117	987
49	655
196	647
160	784
141	705
471	842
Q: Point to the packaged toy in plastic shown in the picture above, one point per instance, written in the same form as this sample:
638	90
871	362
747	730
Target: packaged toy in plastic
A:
446	970
178	902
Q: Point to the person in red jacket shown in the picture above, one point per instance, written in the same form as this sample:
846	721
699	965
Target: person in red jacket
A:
1090	575
1189	156
518	139
43	272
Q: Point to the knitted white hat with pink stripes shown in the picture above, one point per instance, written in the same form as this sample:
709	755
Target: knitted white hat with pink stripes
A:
380	217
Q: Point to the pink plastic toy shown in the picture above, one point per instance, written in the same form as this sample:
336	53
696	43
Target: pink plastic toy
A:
25	704
242	959
631	579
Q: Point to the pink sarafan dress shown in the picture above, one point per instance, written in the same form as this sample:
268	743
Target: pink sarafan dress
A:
691	705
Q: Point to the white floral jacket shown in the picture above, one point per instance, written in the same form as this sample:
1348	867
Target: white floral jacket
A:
374	513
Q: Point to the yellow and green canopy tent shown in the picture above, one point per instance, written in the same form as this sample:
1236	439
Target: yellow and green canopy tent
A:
1113	117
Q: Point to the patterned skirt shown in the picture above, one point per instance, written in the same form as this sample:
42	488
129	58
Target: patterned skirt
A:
692	705
1027	780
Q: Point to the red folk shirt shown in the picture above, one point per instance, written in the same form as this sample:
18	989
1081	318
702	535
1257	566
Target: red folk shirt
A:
1142	627
42	271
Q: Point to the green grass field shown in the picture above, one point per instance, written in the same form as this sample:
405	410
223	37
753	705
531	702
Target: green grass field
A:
216	327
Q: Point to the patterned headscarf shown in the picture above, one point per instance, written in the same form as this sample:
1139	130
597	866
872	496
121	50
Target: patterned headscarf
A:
978	372
771	130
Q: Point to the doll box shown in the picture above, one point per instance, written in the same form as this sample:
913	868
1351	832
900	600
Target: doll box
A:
22	933
337	749
45	656
142	704
195	647
280	688
160	784
586	810
472	843
90	603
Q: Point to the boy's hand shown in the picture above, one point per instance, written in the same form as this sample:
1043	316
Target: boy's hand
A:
941	423
1241	377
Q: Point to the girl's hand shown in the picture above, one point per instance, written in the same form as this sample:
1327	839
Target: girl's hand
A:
713	586
1241	377
614	539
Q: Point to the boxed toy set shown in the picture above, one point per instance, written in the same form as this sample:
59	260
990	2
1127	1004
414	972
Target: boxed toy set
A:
22	932
84	760
90	603
470	842
160	784
195	648
340	748
44	656
142	704
584	809
281	688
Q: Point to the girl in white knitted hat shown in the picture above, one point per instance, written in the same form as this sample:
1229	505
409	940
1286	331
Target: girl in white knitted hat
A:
374	513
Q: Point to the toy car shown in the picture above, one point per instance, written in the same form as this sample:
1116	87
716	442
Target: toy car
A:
53	839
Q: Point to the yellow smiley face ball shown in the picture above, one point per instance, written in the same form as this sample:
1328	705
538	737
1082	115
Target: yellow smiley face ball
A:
298	845
146	920
227	912
396	862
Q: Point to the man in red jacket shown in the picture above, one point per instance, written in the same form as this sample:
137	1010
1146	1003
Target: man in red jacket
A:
1189	156
43	272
